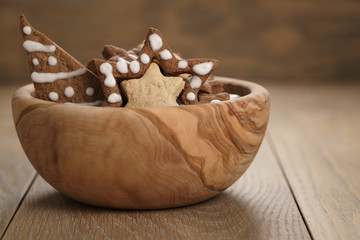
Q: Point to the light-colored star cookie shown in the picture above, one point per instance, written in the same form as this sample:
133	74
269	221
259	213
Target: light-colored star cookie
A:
153	89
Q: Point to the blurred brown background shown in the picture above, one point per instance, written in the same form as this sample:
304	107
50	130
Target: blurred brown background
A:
257	40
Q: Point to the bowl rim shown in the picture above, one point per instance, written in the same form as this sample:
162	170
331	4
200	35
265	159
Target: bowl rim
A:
254	91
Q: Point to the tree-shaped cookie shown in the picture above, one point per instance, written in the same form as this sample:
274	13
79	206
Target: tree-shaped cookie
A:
57	76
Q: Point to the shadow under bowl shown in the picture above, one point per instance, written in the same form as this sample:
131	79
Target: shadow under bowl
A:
143	158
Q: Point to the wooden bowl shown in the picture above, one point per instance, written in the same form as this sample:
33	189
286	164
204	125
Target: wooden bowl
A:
143	158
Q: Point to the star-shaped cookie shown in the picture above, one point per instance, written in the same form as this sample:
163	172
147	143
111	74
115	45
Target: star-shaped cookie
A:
153	89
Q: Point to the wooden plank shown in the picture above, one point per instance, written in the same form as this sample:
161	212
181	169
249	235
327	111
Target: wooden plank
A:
258	206
315	132
16	173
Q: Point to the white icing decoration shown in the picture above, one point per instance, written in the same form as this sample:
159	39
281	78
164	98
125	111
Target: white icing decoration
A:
132	56
177	56
121	66
195	82
96	103
32	46
215	101
182	64
52	61
134	66
53	96
155	42
203	68
114	98
51	77
90	91
106	69
165	54
35	61
234	96
69	92
27	30
144	58
190	96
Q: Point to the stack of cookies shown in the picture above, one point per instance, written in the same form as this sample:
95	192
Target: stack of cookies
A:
151	75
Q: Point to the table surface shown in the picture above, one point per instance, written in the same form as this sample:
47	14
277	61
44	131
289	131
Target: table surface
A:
303	184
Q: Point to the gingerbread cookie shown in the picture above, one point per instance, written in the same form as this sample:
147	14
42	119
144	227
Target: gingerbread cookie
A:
155	49
56	75
153	89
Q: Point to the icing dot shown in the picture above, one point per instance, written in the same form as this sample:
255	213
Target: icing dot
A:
215	101
134	66
155	42
114	98
53	96
90	91
69	92
203	68
234	96
190	96
144	58
165	54
177	56
182	64
35	61
195	82
27	30
121	66
106	69
132	56
52	61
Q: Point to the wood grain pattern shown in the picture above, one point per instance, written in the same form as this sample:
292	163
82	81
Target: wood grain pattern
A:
317	139
253	39
258	206
125	158
15	171
314	133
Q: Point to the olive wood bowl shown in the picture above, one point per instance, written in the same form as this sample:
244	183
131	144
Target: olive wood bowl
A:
143	158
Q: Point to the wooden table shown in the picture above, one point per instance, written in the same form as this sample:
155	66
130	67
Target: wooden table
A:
303	184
